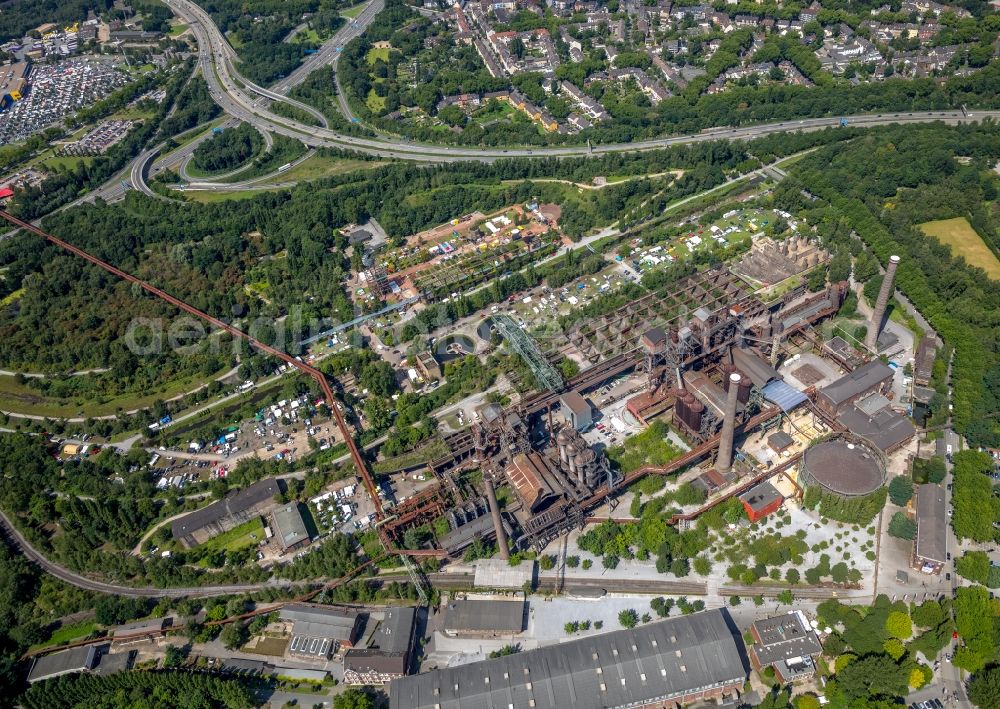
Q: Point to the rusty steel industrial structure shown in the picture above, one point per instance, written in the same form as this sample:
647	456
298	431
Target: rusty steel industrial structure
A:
726	315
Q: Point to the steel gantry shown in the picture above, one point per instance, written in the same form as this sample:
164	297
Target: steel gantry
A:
548	377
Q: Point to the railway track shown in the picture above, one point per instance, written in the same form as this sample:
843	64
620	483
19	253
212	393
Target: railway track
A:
18	542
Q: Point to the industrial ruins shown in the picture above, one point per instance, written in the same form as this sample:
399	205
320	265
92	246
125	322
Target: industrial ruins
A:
704	355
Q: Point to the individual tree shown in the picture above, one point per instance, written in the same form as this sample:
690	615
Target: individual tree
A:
354	698
984	689
834	645
974	565
233	635
928	614
792	576
894	648
628	618
899	625
173	656
900	490
935	469
839	572
902	527
785	597
807	701
872	677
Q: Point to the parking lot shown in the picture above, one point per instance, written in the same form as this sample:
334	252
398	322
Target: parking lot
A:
98	140
56	91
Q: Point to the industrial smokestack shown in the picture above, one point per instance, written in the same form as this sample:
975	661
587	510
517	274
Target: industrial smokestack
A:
491	496
724	461
871	338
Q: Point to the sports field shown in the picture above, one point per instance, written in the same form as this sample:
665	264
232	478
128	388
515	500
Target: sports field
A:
964	241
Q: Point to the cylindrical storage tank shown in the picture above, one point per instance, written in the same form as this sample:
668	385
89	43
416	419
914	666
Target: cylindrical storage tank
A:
695	413
743	396
563	439
689	402
680	405
585	462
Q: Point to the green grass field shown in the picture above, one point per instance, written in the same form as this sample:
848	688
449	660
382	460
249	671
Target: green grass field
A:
353	12
67	634
177	30
375	102
69	162
241	537
307	35
965	242
319	166
376	53
210	196
130	113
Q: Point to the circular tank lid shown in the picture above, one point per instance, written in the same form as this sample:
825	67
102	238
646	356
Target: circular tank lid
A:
735	377
894	258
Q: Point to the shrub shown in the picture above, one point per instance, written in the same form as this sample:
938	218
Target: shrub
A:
902	527
900	490
628	618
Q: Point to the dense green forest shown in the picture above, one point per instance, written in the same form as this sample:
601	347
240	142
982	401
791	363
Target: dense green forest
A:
228	149
976	506
881	186
258	32
152	690
90	514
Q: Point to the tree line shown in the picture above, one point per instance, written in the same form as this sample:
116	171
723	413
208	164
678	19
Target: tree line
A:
883	184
